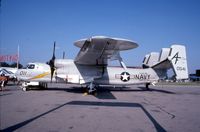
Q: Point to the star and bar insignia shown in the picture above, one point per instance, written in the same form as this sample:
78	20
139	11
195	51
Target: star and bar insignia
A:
125	76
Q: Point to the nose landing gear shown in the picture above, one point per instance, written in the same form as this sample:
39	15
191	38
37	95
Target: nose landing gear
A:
33	85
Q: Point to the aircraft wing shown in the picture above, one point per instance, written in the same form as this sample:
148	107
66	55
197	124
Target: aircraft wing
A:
97	50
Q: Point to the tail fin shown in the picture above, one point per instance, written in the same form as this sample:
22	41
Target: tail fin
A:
178	61
174	57
151	59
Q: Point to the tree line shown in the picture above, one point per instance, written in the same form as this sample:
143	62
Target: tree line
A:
13	65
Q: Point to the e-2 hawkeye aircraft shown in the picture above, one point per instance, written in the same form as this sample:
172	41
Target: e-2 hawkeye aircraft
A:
90	67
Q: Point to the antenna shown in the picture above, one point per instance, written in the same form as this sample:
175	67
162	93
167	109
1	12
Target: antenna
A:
63	54
18	57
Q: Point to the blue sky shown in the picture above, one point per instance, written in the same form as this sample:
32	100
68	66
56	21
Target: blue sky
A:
35	24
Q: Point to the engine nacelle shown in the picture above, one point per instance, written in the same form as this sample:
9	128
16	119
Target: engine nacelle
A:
59	63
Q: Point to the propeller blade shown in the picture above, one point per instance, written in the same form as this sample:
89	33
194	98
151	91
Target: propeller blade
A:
52	61
52	71
54	47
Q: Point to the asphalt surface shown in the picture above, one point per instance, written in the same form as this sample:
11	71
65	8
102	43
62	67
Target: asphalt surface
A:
65	108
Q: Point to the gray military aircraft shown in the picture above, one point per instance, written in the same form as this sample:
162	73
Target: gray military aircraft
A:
90	67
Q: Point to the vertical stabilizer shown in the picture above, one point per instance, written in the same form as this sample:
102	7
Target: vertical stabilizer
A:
151	59
164	54
177	57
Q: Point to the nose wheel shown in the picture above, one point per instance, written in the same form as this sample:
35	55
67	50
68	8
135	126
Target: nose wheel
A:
24	89
24	86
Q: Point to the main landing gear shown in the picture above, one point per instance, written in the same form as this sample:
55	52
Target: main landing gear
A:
91	88
147	86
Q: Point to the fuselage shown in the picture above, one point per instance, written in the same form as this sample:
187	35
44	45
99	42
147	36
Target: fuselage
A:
120	76
69	72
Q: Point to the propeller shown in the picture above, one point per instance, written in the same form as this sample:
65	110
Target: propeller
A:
52	61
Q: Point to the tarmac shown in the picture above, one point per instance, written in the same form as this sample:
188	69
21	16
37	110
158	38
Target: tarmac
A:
65	108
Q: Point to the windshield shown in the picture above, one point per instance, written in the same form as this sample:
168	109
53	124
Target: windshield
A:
31	66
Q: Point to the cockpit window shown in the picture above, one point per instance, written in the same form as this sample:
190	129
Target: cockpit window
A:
31	66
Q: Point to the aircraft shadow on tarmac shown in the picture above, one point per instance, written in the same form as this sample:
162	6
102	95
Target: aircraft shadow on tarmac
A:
5	94
106	89
106	92
157	126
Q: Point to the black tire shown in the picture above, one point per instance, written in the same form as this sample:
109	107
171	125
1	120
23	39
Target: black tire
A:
147	86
